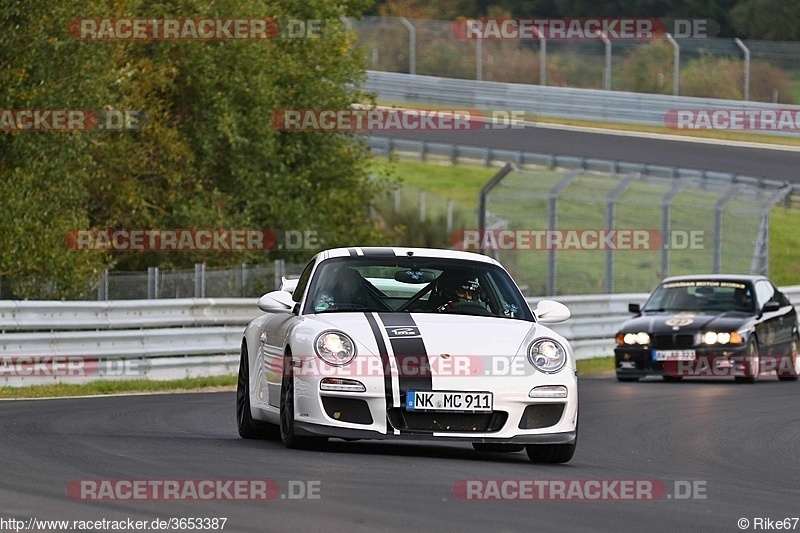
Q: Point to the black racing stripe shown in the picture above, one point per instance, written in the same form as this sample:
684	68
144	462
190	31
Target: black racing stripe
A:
413	367
387	370
375	252
352	252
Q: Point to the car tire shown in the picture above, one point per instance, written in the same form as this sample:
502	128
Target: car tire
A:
627	379
497	447
287	428
793	371
248	427
552	453
752	364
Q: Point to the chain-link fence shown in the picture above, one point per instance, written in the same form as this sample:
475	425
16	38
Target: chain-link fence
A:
577	231
244	281
764	71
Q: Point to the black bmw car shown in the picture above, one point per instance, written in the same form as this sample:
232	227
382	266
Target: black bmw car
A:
710	326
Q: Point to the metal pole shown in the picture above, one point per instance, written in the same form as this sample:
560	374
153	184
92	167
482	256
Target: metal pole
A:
676	65
552	224
449	215
744	49
485	190
611	223
716	265
542	57
412	47
607	69
666	224
479	59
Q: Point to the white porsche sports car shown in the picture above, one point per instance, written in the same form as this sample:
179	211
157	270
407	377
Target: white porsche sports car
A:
408	343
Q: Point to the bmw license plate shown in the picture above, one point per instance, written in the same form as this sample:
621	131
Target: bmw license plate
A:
674	355
449	401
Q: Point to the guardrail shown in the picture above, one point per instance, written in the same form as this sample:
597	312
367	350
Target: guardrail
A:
422	149
201	337
562	102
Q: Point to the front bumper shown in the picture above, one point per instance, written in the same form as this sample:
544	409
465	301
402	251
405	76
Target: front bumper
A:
373	414
635	361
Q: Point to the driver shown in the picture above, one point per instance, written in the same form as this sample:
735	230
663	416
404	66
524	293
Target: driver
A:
453	290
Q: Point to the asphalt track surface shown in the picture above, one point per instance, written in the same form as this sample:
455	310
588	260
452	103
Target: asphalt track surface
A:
782	165
740	442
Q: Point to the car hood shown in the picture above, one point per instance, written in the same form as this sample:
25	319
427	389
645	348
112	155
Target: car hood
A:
701	321
441	333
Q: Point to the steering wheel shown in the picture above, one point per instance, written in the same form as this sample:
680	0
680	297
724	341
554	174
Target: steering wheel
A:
468	308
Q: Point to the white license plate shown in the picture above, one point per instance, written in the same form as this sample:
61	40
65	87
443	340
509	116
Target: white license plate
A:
449	401
674	355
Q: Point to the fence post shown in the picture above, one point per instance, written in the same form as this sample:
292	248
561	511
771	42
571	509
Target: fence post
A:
716	265
607	69
479	59
552	224
611	202
243	280
412	45
746	51
199	280
676	65
449	216
152	283
280	271
485	190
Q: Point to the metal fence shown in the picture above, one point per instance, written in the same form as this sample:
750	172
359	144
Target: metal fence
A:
585	231
764	69
584	104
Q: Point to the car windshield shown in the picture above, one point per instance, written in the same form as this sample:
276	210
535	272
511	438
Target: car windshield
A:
418	284
701	295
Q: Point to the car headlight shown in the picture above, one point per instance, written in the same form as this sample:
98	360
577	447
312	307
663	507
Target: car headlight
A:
335	348
547	355
641	337
721	337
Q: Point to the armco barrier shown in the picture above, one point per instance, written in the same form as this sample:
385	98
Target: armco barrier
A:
563	102
170	339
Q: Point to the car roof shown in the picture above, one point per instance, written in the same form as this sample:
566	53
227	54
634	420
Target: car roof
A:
715	277
434	253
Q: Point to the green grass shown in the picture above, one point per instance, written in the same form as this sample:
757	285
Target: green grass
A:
460	182
596	366
100	388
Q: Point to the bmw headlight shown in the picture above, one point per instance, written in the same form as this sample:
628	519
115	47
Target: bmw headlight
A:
335	348
641	337
722	337
547	355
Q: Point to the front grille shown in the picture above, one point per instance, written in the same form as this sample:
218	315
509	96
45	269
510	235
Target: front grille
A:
673	342
542	415
347	409
428	422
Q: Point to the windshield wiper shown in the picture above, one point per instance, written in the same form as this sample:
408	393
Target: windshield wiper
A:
348	308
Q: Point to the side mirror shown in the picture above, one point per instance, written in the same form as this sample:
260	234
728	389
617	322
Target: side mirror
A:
549	312
635	309
771	307
276	302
